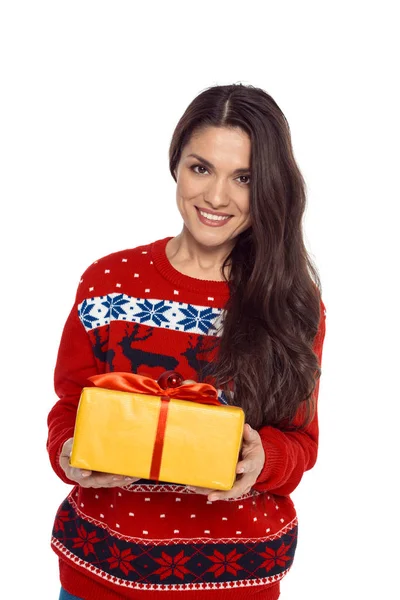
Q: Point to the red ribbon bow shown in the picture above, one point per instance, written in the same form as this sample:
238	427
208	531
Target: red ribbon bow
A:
120	381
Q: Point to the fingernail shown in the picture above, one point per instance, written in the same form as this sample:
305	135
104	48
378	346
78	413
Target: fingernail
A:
85	474
241	470
116	478
212	498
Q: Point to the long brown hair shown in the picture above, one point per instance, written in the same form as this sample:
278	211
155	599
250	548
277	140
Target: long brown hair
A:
271	318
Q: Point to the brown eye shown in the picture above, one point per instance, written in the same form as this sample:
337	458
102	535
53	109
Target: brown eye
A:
193	167
245	176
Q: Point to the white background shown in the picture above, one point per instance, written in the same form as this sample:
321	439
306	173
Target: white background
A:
90	95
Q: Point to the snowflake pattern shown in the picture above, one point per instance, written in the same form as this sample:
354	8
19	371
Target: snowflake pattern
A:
114	306
152	312
120	559
62	517
224	563
84	311
275	557
102	310
203	319
85	540
172	565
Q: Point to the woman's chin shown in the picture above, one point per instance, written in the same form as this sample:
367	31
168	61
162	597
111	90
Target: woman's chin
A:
210	238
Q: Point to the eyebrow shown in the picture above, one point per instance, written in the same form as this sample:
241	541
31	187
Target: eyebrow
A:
211	166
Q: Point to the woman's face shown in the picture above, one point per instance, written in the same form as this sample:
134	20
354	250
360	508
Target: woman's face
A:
213	187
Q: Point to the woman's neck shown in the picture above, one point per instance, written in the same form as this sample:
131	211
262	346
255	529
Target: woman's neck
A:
189	257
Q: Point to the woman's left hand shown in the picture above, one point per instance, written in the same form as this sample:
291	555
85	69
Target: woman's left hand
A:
248	468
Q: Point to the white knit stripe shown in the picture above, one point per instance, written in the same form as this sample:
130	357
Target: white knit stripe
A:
168	314
171	488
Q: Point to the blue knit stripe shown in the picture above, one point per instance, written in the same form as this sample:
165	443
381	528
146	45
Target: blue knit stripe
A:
168	314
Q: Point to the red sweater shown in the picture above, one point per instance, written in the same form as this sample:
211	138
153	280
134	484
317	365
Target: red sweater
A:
134	312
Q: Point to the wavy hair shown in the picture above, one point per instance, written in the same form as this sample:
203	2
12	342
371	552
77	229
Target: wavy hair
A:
271	318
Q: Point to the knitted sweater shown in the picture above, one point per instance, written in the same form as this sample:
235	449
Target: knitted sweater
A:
135	312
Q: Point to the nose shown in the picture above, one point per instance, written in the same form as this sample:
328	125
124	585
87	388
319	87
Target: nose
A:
217	195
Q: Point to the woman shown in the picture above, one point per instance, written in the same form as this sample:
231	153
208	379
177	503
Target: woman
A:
230	300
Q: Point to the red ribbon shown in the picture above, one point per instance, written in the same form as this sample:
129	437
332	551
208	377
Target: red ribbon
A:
121	381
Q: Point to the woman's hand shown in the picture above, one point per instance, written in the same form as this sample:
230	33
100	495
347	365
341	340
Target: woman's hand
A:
248	468
88	479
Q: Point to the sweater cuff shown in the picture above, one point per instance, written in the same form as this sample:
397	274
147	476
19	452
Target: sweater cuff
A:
273	464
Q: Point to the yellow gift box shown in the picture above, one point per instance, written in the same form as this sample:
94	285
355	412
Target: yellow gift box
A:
129	425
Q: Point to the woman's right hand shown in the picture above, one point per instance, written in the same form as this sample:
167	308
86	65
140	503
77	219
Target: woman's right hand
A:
88	479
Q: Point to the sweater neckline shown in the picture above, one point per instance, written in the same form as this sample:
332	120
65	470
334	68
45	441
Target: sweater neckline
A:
180	280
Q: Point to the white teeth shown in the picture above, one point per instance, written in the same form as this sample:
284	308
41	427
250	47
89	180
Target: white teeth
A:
213	217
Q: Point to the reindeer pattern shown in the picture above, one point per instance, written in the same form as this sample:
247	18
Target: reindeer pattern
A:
104	356
139	356
201	366
125	346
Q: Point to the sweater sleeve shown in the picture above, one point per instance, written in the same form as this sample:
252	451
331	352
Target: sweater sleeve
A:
288	454
75	362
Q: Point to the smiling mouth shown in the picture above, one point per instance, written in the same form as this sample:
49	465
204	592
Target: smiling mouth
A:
211	220
212	216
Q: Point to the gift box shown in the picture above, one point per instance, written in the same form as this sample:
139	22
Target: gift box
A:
175	432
